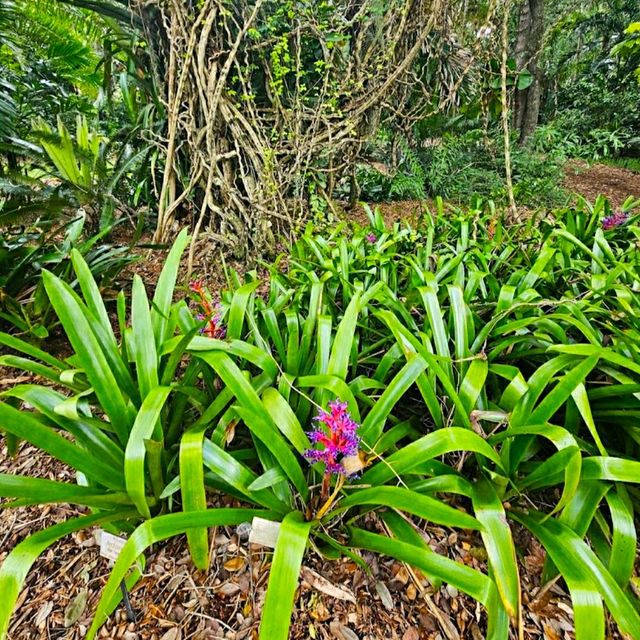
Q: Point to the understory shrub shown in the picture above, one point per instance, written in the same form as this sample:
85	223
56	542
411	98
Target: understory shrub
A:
25	251
387	377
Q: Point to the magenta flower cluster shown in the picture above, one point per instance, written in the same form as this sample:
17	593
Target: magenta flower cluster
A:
615	220
336	433
371	237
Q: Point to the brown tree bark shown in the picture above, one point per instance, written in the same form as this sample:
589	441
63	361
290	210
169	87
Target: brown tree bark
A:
527	53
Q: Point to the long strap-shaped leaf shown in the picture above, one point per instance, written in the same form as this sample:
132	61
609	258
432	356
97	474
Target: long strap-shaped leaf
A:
23	425
17	564
192	480
472	582
409	344
249	352
283	579
93	361
285	419
410	502
156	530
373	424
435	444
238	476
164	289
345	334
28	349
262	428
567	447
88	431
142	342
92	296
623	545
587	575
134	455
498	542
28	490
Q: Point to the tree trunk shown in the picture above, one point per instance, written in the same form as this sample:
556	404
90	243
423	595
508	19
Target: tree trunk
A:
527	53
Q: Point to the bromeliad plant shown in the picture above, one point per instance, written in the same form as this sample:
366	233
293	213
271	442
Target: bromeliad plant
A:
127	411
257	444
455	375
126	404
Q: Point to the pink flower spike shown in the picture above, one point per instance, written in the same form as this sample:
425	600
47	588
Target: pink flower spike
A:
370	237
615	220
338	438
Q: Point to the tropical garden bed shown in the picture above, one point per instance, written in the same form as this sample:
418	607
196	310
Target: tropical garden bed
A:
466	374
238	402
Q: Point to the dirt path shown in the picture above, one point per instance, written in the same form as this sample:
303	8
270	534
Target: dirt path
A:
592	180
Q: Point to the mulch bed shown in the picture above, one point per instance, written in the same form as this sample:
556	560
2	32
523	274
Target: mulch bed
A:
174	601
592	180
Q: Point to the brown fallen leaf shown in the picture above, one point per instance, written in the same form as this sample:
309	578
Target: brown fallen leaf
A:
235	564
171	634
384	594
228	589
75	608
401	575
340	632
550	633
43	614
320	583
411	634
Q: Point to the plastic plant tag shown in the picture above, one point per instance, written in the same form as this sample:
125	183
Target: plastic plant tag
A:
110	546
264	532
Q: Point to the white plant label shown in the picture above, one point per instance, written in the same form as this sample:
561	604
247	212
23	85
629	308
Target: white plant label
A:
110	545
264	532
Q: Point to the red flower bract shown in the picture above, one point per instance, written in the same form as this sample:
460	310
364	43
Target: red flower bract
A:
211	312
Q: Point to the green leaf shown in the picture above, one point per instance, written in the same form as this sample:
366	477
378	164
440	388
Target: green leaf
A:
23	425
29	490
11	342
238	308
134	456
409	501
283	577
468	580
92	359
623	547
261	425
341	350
228	469
498	542
587	578
563	389
164	289
285	419
142	342
373	425
428	447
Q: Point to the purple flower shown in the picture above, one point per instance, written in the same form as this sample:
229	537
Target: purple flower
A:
336	432
371	237
611	222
